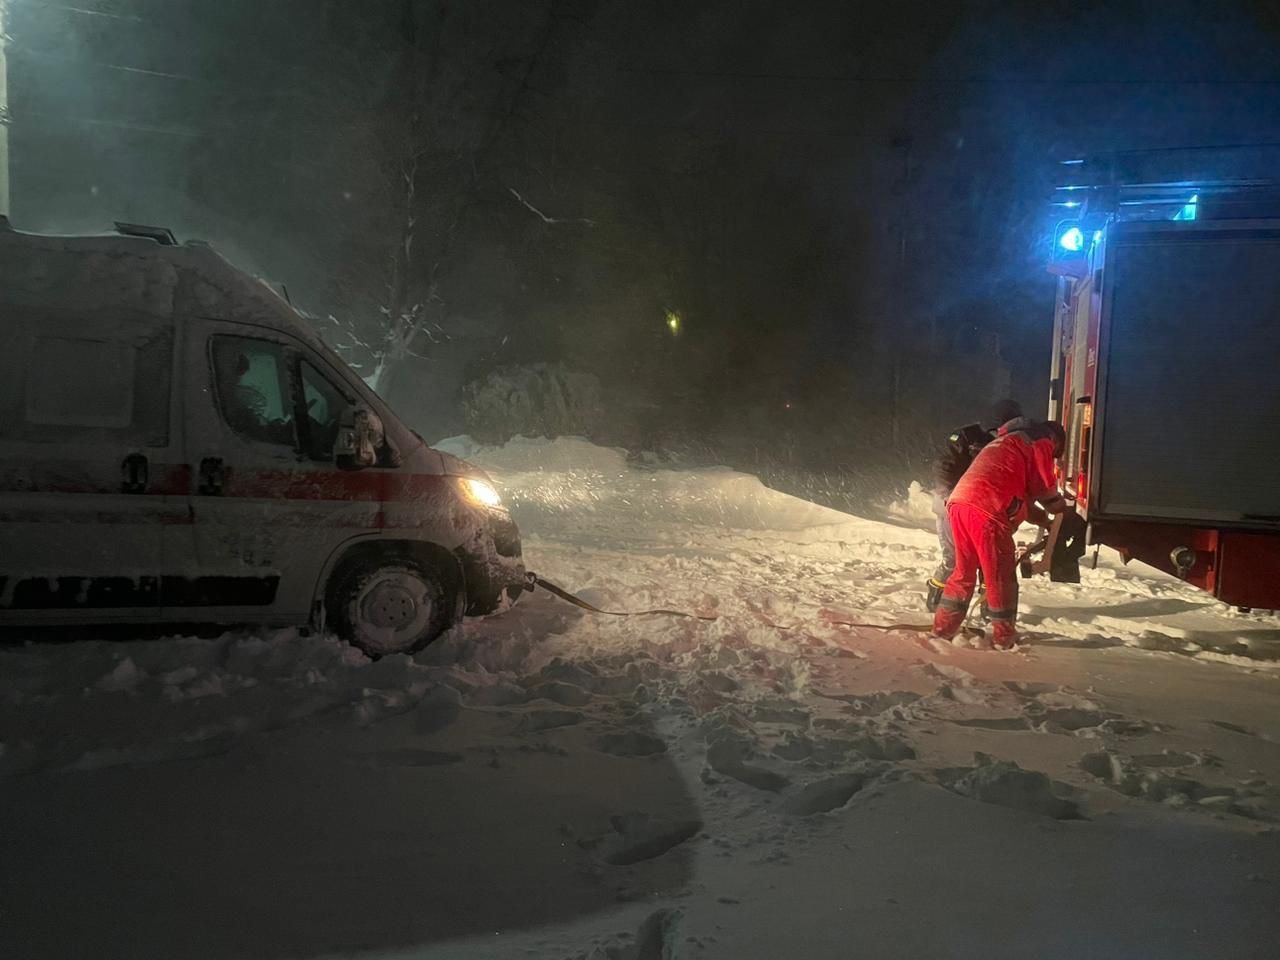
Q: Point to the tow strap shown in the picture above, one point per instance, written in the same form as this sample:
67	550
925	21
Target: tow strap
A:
966	630
535	580
886	627
563	594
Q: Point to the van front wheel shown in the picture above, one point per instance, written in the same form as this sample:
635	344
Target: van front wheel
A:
393	607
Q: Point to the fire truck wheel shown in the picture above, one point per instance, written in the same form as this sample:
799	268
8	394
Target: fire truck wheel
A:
397	606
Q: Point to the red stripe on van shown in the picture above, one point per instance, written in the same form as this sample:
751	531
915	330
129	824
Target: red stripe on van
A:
171	518
175	480
164	479
170	480
353	485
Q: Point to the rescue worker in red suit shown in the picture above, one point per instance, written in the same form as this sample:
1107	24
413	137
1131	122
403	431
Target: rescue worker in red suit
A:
995	495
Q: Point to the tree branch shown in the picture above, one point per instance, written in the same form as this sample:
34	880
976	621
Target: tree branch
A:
545	219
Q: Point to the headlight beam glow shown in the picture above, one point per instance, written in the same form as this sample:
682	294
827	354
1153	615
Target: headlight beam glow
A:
480	491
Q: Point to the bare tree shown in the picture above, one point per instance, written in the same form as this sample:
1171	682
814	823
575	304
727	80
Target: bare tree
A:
437	130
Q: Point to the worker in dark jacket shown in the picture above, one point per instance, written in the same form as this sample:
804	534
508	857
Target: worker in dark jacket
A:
996	494
962	446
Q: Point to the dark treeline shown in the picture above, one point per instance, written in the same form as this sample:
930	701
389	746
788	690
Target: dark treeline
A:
782	234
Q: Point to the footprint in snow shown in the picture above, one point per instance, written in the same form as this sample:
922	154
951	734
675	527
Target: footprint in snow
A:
410	757
1030	689
1071	720
1138	777
500	694
1236	728
829	794
558	691
1005	784
639	836
631	743
727	757
536	721
995	723
781	714
871	704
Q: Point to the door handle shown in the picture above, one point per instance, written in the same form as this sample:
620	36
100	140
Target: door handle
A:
134	472
212	477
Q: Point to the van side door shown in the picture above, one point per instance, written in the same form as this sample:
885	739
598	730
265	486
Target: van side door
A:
269	505
90	471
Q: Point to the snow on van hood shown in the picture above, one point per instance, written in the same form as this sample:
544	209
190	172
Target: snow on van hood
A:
454	466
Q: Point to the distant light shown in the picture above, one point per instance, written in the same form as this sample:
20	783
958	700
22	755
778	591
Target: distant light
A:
1072	240
1071	204
1188	211
1097	236
674	322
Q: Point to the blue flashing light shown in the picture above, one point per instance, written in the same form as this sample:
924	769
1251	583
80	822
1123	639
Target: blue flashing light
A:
1097	236
1072	240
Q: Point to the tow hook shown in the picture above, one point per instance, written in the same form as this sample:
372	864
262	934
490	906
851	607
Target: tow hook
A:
1183	559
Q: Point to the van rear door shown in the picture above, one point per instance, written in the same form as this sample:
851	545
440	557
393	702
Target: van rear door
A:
90	470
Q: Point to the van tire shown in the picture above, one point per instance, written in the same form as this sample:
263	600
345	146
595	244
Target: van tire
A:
396	605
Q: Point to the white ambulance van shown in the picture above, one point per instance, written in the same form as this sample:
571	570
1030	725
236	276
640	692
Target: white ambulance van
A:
176	446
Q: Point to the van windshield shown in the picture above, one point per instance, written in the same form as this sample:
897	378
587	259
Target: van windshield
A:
324	406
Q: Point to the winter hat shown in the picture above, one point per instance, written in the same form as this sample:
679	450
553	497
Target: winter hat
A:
1001	412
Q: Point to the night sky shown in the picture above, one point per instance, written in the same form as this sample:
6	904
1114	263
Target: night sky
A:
830	196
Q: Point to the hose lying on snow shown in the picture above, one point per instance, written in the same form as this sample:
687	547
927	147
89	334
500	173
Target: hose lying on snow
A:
887	627
967	630
535	580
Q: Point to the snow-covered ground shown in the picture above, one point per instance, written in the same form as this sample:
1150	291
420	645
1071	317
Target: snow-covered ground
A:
551	783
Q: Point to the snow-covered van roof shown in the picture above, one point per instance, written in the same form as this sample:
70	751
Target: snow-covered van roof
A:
139	269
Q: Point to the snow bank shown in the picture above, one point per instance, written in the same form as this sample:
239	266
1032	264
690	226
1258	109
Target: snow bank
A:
541	478
916	508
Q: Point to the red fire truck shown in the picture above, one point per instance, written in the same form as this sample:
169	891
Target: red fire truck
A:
1166	371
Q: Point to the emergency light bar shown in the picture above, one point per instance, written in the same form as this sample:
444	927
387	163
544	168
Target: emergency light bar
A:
1071	239
1232	181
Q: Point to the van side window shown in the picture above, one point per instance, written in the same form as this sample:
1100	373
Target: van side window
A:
250	378
80	382
324	406
88	387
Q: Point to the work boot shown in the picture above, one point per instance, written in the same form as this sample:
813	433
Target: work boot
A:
947	620
1004	635
934	595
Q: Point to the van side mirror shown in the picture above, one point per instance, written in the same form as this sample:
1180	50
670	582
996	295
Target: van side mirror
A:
361	436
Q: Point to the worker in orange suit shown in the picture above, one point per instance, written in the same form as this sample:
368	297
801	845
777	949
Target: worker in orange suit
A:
997	493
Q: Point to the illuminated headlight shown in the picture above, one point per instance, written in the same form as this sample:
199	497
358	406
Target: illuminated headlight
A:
480	491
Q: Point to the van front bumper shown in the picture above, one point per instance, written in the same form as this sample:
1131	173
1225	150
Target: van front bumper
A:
492	565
